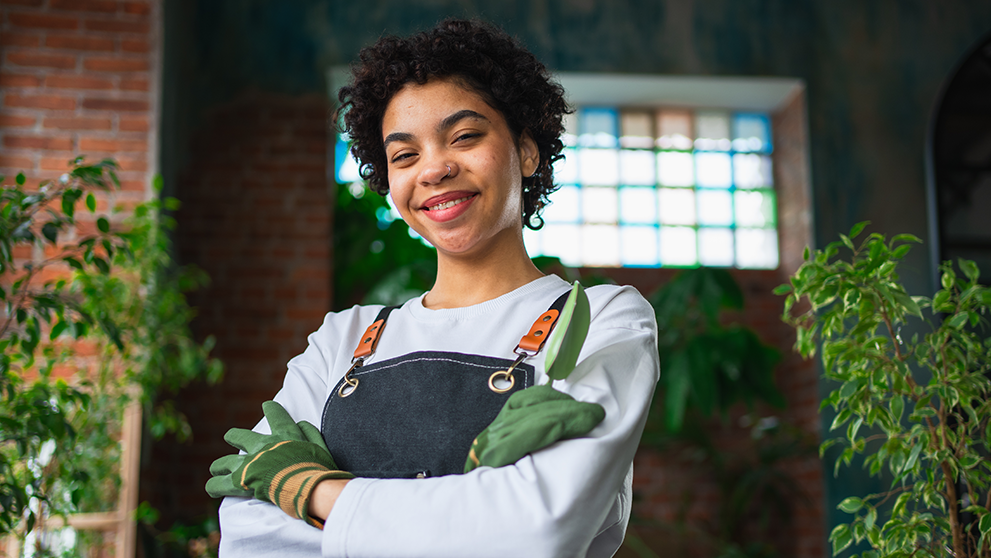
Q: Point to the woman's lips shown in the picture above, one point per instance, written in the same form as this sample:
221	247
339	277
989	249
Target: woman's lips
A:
448	206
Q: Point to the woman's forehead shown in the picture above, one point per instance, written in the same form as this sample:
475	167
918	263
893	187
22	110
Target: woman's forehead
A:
430	104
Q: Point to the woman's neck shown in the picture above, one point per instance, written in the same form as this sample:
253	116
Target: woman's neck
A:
464	280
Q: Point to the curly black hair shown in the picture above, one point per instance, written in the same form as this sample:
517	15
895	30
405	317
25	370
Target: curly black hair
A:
484	59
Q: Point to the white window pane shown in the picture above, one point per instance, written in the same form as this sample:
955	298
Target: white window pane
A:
564	206
598	127
599	167
715	207
716	247
638	205
639	245
713	170
566	170
712	131
600	246
674	129
599	205
675	168
561	241
751	132
678	246
677	206
752	171
754	208
636	168
635	130
757	248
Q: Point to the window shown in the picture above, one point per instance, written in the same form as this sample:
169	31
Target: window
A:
662	187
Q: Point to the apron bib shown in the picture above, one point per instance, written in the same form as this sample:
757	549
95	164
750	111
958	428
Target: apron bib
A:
416	415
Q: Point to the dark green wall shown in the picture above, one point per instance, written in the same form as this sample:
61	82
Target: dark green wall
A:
873	71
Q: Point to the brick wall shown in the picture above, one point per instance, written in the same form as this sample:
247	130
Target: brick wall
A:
79	77
256	216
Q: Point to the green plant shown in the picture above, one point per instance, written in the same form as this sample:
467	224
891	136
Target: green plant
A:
708	366
926	400
113	289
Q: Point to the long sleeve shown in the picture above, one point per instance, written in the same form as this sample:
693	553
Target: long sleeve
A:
570	499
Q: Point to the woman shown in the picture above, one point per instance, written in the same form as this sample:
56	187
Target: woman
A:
461	127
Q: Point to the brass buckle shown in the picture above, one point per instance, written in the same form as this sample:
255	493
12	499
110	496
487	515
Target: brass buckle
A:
507	375
348	382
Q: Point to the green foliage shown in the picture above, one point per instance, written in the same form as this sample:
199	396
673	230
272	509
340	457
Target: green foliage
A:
916	408
115	290
376	261
567	339
706	366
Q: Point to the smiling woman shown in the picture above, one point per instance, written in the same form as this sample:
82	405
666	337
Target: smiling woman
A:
460	126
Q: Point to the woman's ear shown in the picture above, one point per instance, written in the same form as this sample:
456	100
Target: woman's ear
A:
529	155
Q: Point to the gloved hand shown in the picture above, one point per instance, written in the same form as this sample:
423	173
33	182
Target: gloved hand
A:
282	467
532	419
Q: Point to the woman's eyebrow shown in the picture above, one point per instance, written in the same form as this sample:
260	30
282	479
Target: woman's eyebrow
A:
396	136
459	116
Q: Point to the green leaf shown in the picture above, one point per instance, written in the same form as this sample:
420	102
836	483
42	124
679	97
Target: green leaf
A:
805	254
50	231
985	524
57	330
20	179
969	269
568	336
91	202
73	262
957	321
851	504
103	224
847	241
782	289
841	537
102	265
858	228
676	395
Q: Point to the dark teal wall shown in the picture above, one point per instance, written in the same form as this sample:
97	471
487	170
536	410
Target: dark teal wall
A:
873	71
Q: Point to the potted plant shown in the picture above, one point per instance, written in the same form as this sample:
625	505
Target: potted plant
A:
916	407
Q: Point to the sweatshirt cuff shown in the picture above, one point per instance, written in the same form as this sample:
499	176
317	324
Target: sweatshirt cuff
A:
339	521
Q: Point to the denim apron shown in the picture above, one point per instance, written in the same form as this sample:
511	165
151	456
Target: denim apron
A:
415	416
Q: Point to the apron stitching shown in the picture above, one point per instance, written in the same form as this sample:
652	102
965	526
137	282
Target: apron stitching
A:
357	373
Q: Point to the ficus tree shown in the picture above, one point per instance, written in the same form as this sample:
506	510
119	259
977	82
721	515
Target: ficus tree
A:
918	408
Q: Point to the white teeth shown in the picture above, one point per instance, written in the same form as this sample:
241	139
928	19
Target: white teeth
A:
446	205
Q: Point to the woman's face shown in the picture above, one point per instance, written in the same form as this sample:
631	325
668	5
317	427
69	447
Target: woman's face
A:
455	171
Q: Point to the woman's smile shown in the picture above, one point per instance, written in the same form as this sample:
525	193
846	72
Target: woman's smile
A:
448	206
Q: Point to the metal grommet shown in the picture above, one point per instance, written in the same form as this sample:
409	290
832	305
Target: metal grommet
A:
507	376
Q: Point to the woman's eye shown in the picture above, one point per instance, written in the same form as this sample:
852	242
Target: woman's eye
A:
400	157
466	136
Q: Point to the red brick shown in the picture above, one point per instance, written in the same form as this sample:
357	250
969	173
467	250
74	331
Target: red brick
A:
41	60
37	142
134	85
105	6
131	164
78	123
53	102
19	80
59	164
43	21
24	2
12	38
133	124
95	144
132	185
117	26
78	82
115	104
18	162
78	42
135	45
15	121
116	64
139	8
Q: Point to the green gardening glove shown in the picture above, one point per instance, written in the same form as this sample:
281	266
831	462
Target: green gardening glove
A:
282	467
530	420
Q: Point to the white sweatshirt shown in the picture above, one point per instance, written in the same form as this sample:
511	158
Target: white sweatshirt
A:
571	499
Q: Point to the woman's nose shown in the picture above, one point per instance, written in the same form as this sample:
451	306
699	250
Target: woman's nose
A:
437	172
